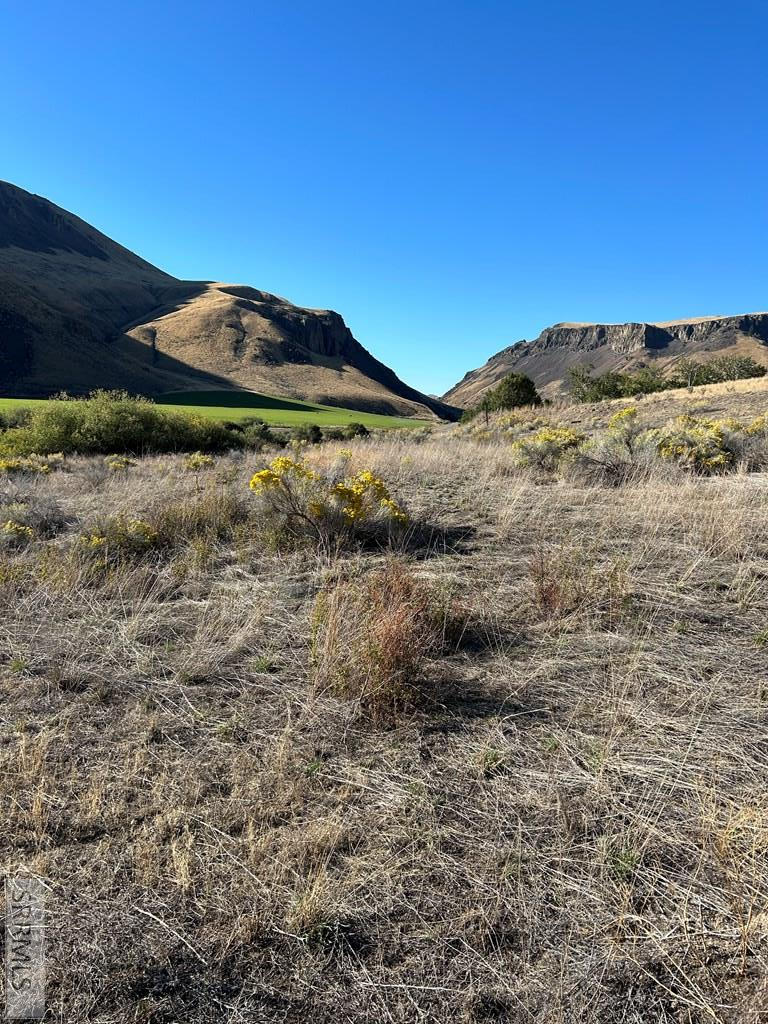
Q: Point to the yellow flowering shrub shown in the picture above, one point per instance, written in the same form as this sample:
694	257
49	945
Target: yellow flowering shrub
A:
31	463
306	503
118	462
730	423
623	428
697	443
16	533
622	417
196	461
362	495
546	448
758	427
623	451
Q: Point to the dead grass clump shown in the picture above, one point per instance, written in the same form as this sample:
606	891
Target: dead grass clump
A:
568	581
215	513
372	638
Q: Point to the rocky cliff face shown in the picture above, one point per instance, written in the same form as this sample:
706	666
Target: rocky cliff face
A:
625	339
79	311
614	347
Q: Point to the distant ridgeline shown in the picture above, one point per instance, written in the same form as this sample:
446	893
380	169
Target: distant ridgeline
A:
623	350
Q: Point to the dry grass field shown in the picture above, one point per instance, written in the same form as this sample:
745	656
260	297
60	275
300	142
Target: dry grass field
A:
740	398
510	767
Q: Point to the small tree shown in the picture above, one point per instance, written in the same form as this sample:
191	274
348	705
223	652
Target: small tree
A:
583	385
486	406
513	391
735	368
687	373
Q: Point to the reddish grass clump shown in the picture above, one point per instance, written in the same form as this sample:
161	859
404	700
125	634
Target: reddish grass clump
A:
373	637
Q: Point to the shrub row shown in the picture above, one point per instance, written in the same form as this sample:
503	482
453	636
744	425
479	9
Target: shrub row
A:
626	448
686	373
114	422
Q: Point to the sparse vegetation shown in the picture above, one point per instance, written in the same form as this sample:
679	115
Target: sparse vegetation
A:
625	448
509	770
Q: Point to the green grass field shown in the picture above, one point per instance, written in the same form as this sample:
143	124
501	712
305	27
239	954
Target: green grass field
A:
236	405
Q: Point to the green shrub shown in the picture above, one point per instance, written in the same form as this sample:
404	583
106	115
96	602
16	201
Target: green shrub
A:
355	430
16	417
309	432
113	422
512	392
585	387
256	433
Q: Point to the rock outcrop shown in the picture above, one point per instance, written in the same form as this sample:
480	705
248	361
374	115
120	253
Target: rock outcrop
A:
614	347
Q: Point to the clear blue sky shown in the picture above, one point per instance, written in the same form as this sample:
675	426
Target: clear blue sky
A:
450	176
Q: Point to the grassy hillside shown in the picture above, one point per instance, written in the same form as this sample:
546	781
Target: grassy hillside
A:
742	400
80	310
226	405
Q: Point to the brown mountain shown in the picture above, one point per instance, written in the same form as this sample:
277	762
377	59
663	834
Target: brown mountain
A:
615	347
78	311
